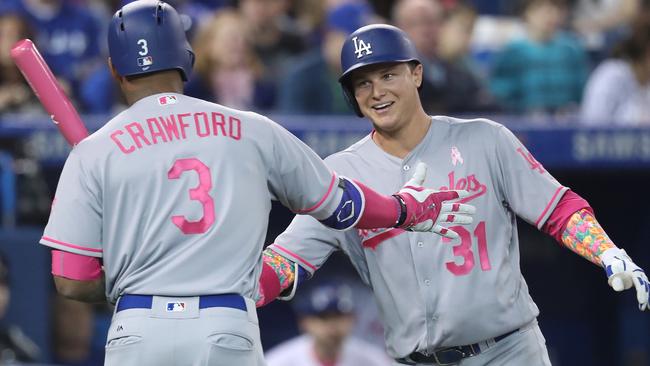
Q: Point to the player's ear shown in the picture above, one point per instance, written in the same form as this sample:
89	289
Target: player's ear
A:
114	73
416	71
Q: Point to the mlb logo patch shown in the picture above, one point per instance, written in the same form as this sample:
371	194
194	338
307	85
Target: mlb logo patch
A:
175	307
145	61
167	99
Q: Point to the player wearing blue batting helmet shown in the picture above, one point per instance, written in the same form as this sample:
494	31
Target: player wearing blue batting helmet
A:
147	36
370	45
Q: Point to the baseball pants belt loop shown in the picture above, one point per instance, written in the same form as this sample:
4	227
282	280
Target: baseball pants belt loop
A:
449	355
205	301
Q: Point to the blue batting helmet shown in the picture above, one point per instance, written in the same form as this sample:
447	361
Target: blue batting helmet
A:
146	36
326	297
369	45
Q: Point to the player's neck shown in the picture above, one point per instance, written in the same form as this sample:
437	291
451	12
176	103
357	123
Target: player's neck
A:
326	355
163	82
402	141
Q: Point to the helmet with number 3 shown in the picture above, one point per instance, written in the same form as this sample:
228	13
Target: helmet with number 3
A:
146	36
369	45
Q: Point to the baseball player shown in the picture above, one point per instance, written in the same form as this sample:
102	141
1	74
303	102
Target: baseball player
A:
172	196
325	314
444	301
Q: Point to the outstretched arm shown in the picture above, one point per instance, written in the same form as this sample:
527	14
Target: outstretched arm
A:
580	232
412	208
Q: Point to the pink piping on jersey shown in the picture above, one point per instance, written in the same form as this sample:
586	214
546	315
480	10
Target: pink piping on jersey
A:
317	205
373	242
301	259
548	206
71	245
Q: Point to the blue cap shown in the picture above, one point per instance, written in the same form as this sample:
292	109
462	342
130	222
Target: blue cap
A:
329	297
349	17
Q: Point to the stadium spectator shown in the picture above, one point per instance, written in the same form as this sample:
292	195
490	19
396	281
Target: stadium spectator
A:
311	85
446	83
310	18
14	344
227	70
275	36
543	73
325	313
618	91
422	20
602	23
67	36
465	91
15	94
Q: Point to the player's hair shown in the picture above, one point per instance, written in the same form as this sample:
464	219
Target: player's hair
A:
636	46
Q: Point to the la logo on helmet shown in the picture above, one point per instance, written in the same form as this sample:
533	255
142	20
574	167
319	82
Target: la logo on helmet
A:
360	47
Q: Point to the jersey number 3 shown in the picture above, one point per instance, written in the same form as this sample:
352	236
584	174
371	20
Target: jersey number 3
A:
201	193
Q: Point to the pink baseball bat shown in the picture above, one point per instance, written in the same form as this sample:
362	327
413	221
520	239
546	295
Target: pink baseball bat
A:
49	92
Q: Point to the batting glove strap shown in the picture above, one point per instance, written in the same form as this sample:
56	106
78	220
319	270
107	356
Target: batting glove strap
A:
402	206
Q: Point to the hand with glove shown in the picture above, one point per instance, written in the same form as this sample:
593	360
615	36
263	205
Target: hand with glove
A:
622	274
426	209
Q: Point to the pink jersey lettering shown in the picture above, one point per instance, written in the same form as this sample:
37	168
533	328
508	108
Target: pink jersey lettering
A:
170	127
119	143
200	119
218	121
156	130
234	128
184	125
137	133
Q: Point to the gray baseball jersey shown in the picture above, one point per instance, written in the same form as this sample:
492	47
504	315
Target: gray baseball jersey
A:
434	292
174	195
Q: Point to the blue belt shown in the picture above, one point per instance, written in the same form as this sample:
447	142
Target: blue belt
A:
207	301
447	355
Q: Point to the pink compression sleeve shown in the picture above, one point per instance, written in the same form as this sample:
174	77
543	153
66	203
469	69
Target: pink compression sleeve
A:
75	266
380	212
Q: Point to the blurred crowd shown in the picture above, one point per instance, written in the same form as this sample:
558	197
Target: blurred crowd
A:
583	61
568	61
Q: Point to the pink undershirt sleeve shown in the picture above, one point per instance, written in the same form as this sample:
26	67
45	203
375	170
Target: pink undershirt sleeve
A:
570	203
75	266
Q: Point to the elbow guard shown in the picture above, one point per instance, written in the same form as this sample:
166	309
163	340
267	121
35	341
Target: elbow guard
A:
349	210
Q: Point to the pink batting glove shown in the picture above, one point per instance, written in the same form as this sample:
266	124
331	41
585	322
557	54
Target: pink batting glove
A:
427	209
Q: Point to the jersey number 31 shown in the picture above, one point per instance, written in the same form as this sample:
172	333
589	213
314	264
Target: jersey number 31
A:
464	250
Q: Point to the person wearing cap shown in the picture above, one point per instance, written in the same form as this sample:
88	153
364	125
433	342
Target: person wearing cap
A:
446	301
325	314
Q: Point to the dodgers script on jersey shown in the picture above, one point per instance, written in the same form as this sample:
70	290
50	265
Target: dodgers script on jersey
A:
182	189
434	292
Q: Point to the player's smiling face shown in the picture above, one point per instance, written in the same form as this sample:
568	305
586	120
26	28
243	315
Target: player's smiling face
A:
387	93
